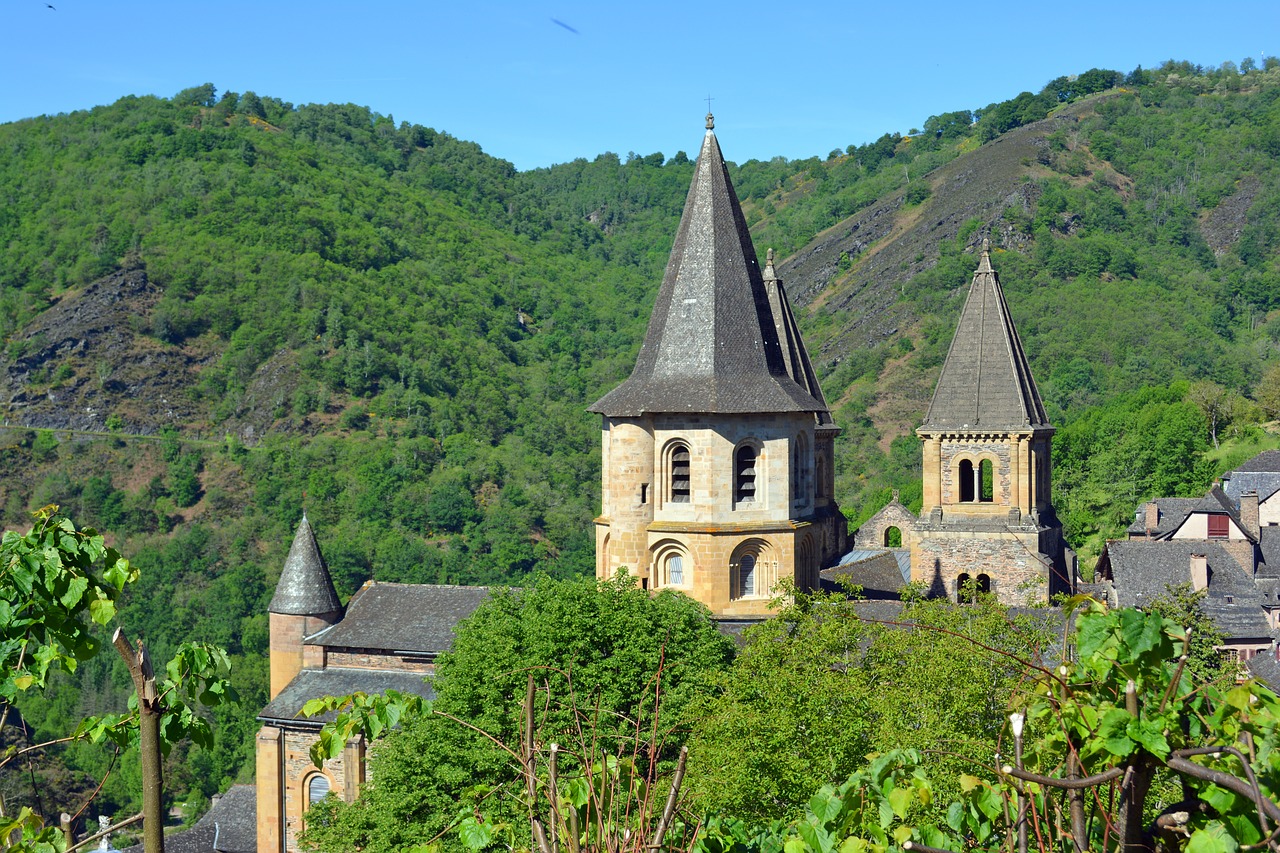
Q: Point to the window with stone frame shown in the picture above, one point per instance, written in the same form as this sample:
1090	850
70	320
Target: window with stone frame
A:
317	788
747	576
674	569
678	464
967	491
801	467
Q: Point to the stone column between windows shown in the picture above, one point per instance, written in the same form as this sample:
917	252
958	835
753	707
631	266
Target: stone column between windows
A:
932	473
1015	471
1033	482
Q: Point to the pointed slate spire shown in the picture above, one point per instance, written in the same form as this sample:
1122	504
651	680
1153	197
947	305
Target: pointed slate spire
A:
305	587
794	354
986	382
714	343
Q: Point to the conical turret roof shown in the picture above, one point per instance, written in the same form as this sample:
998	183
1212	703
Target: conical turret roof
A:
305	587
986	382
713	343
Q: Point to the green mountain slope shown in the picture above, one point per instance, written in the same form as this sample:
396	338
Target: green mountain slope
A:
216	311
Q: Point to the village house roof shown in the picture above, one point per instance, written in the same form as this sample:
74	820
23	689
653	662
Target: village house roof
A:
986	382
1173	513
232	822
1143	570
305	587
1267	460
286	707
400	617
719	341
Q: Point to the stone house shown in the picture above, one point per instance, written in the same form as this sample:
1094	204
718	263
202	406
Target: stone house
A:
386	638
1223	544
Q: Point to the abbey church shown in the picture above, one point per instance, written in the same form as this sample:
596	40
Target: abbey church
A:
717	480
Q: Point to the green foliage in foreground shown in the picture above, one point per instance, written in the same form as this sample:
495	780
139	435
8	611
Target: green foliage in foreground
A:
59	586
818	689
600	653
1124	711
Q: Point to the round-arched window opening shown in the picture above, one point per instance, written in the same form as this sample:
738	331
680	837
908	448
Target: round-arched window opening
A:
892	537
744	490
986	482
675	570
966	482
317	789
747	575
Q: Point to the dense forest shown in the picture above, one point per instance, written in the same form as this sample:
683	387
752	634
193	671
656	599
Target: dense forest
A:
219	309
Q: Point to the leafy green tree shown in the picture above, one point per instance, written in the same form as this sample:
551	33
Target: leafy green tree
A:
818	689
600	654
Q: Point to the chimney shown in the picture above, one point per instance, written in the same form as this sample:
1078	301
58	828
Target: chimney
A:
1249	514
1153	516
1199	572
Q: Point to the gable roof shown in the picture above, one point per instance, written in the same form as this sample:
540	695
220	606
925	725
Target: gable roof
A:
986	381
1174	512
1267	460
398	617
305	587
881	572
715	342
232	822
1214	502
310	684
1143	570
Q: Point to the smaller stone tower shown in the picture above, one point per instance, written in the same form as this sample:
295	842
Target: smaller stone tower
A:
305	602
987	516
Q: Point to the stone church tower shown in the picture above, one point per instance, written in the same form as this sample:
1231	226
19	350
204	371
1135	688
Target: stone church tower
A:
718	468
987	516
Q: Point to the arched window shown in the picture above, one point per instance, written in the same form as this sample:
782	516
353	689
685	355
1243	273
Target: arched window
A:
675	569
965	589
317	789
801	461
744	479
679	466
986	482
966	481
984	584
892	537
747	575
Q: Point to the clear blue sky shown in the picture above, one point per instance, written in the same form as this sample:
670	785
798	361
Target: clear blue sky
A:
796	80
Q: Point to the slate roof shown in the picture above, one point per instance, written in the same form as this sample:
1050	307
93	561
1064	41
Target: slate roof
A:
305	587
714	344
1174	512
1143	570
1267	460
1264	667
1265	483
1269	545
337	681
396	617
986	382
233	822
881	572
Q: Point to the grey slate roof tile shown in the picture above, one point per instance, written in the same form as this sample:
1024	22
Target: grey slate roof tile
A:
1143	570
418	618
232	822
337	681
879	571
305	587
715	344
1267	460
986	381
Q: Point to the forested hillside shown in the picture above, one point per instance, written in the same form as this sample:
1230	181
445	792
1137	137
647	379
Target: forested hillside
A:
218	309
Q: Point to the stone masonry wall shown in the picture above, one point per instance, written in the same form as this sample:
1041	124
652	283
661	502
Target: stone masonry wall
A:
1019	571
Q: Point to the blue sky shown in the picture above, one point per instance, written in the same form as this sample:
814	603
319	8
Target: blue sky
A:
795	81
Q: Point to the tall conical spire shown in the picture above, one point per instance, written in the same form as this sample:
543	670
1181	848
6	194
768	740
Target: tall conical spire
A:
305	587
986	382
713	343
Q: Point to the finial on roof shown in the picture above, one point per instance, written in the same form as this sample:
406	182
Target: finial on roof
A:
711	122
768	257
984	262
